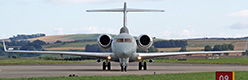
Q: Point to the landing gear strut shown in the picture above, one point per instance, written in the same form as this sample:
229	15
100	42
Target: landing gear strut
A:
106	65
142	64
124	68
123	63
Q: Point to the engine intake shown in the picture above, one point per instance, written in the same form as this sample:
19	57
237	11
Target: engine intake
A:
144	41
104	41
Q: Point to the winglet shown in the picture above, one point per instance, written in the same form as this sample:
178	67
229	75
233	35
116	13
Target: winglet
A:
4	46
246	45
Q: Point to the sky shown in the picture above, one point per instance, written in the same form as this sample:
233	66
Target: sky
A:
182	19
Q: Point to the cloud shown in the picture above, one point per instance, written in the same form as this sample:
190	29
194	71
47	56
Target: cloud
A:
187	33
228	35
224	35
93	29
239	25
3	36
59	30
165	33
243	13
183	34
240	35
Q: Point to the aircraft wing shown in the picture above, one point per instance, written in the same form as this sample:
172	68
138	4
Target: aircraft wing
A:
89	54
151	55
162	54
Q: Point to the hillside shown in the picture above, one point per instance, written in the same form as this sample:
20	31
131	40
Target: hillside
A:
51	39
193	44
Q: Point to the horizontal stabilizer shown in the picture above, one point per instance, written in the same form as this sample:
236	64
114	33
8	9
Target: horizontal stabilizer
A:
122	10
106	10
143	10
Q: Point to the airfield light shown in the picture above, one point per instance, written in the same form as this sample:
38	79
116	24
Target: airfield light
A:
109	57
139	58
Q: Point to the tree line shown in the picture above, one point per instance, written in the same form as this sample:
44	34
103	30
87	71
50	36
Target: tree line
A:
170	43
34	46
222	47
22	36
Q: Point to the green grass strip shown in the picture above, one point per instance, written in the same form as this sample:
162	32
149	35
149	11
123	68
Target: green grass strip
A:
33	62
239	75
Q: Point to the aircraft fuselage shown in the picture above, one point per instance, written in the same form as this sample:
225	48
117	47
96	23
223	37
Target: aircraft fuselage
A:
124	46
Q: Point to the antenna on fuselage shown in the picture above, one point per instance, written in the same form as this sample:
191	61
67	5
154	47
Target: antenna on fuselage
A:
124	29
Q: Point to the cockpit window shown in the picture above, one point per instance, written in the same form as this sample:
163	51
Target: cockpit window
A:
128	40
123	40
119	40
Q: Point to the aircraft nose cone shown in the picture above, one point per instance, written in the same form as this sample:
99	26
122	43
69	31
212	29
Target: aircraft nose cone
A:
124	53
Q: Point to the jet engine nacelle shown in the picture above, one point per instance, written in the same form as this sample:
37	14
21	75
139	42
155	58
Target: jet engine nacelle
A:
144	41
104	41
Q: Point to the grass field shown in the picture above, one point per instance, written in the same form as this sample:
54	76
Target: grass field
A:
71	37
33	62
82	36
178	49
239	75
202	43
209	61
51	39
57	55
76	44
66	48
198	45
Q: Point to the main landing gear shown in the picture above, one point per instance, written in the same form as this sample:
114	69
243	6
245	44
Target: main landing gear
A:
142	64
106	65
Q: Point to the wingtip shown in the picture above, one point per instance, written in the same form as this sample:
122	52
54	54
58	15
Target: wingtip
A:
4	46
246	45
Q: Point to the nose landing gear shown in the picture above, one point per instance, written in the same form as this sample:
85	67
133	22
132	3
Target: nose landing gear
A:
123	63
124	68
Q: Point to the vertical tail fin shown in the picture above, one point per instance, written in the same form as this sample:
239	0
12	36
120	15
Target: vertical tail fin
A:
125	15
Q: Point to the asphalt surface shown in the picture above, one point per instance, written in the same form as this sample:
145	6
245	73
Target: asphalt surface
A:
91	68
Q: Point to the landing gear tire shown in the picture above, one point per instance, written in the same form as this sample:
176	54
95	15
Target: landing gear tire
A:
104	66
109	66
145	66
125	69
121	68
140	65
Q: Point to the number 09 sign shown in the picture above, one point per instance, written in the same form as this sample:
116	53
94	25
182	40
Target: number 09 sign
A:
225	76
